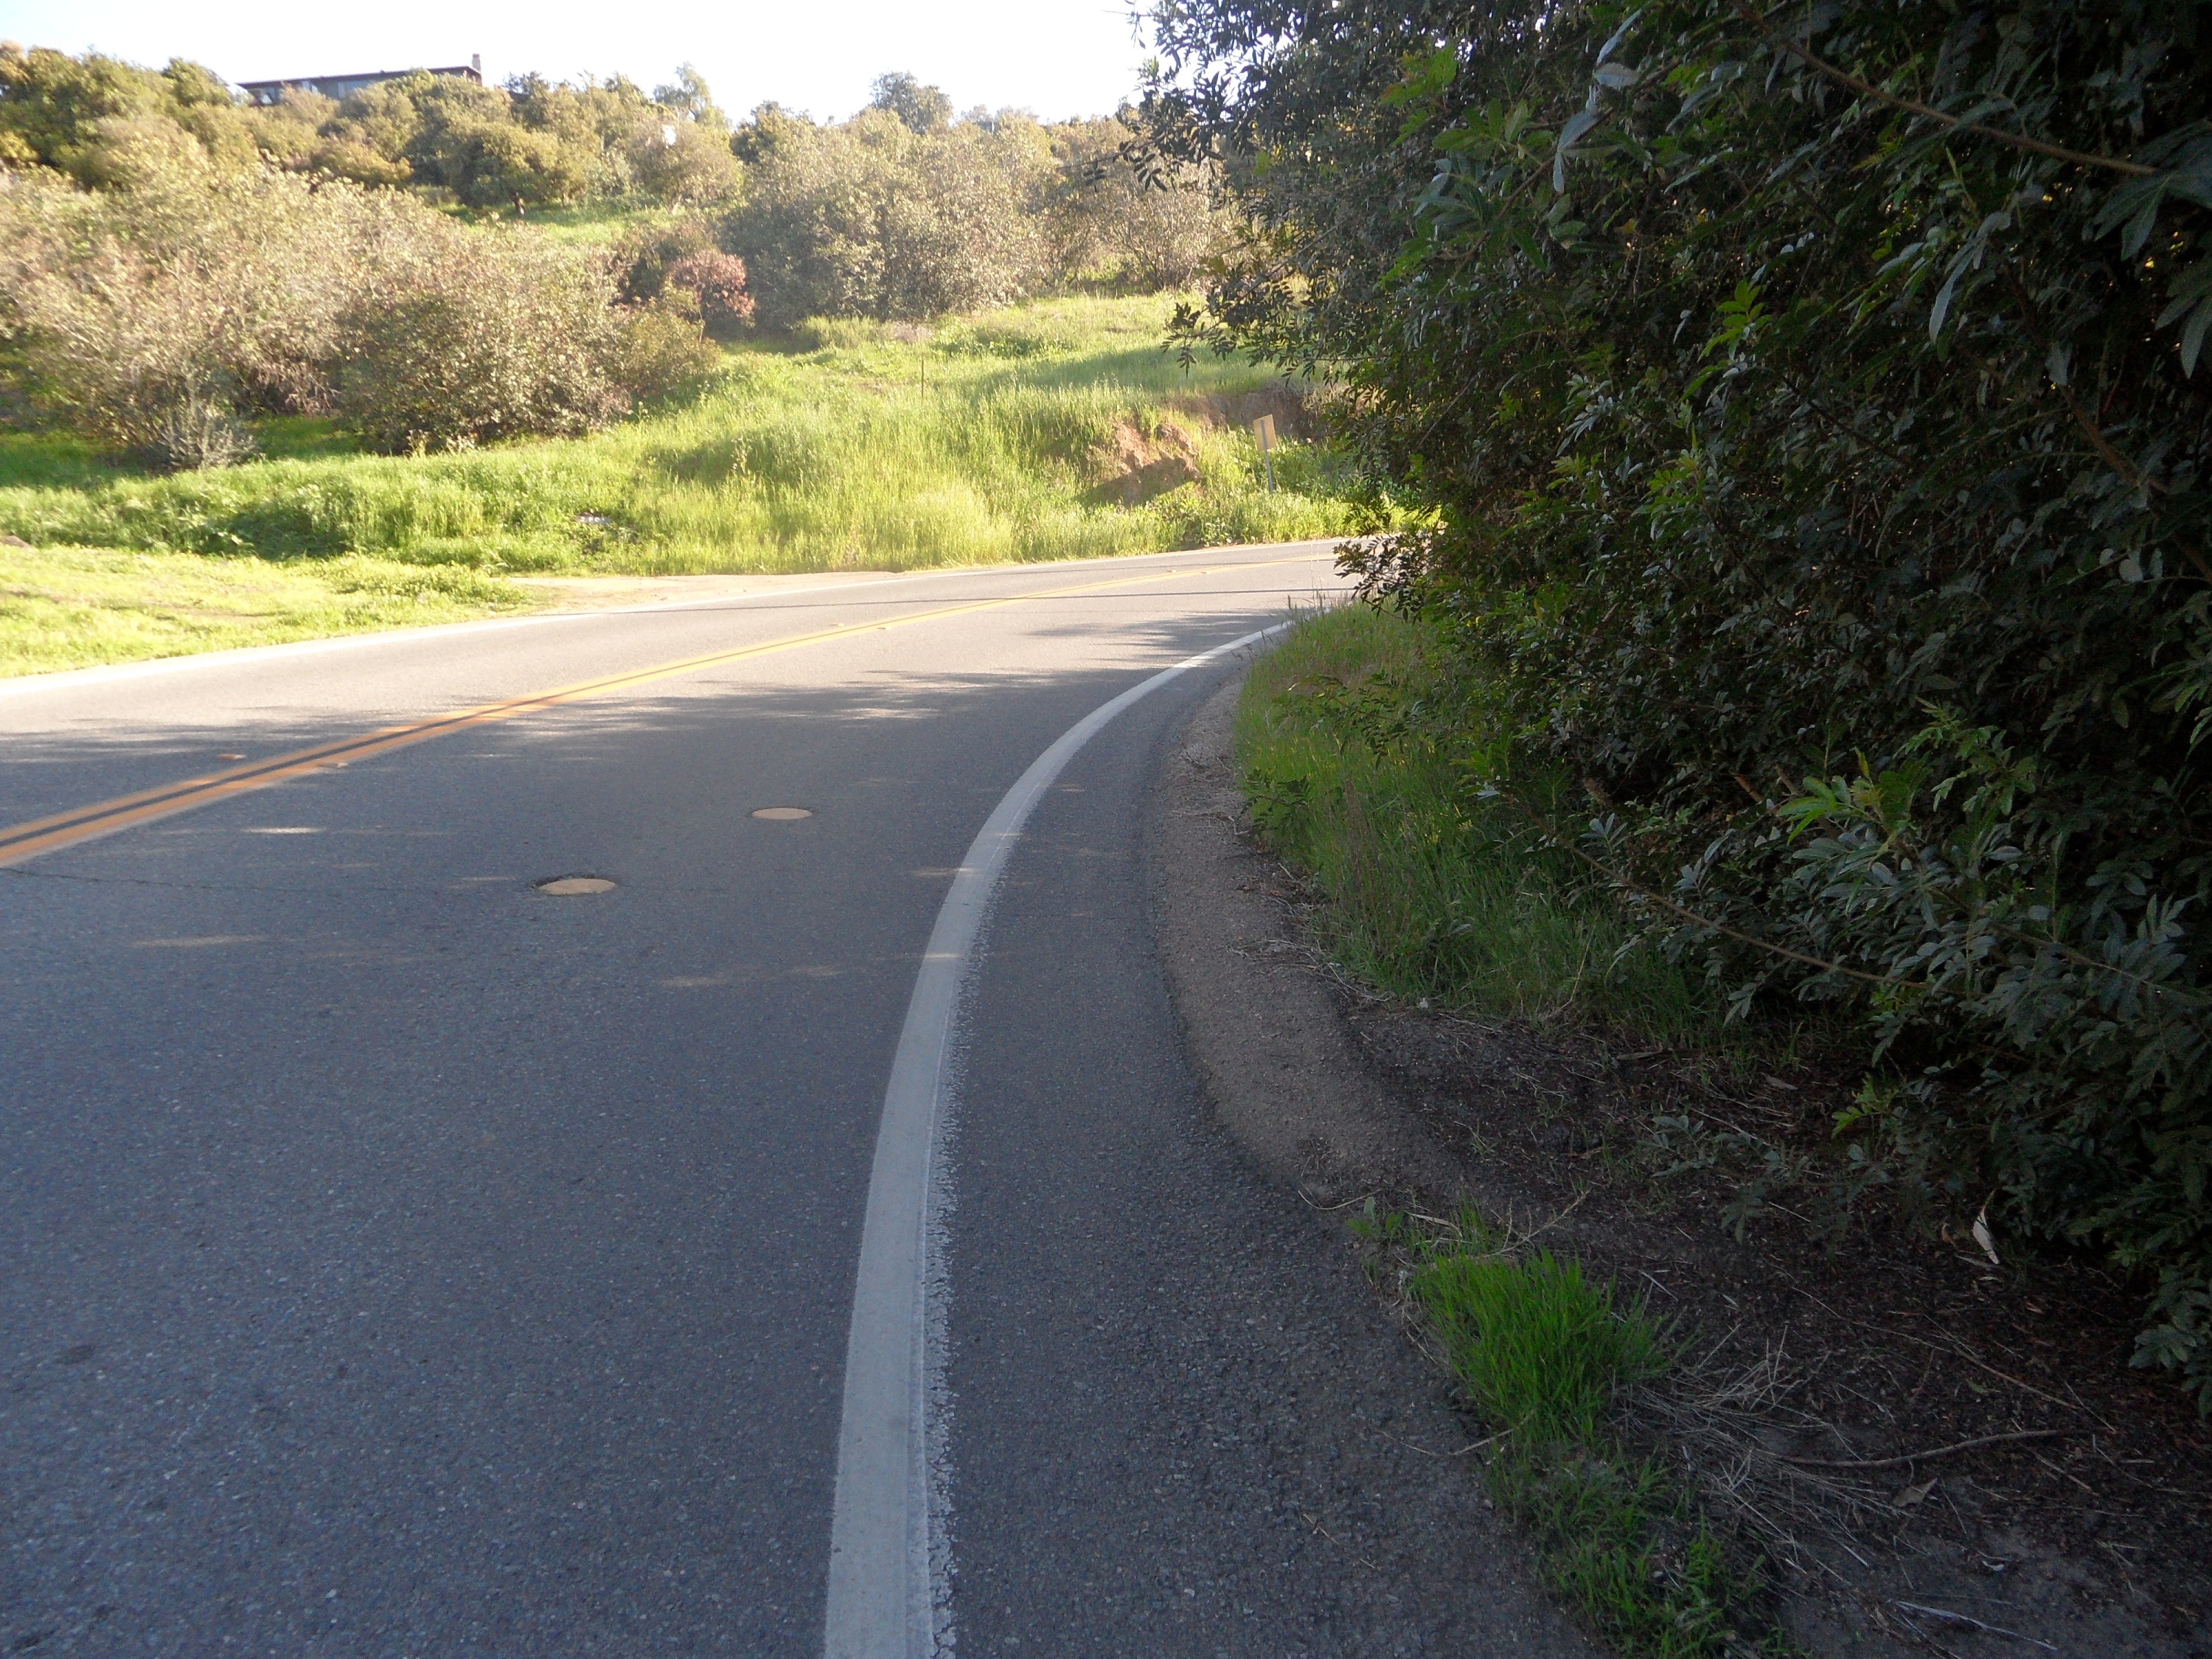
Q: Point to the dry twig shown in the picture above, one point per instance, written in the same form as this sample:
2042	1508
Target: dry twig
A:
1904	1458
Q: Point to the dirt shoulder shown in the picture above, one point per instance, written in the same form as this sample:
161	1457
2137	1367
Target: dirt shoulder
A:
1829	1390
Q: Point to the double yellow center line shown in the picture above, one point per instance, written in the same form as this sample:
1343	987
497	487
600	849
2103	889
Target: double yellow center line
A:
28	840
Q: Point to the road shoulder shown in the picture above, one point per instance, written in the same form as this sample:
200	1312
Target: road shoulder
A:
1343	1095
1262	1026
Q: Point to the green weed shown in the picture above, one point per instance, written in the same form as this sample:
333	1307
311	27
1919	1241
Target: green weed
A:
1543	1353
1539	1346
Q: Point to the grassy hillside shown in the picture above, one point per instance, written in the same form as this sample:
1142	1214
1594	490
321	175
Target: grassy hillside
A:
1000	436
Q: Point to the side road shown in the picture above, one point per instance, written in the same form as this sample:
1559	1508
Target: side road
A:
1344	1097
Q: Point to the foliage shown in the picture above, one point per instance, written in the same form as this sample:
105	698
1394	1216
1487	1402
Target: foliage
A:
155	317
1111	222
904	213
1545	1354
879	450
106	122
662	351
716	282
919	108
472	336
1812	412
873	219
1431	890
901	212
531	143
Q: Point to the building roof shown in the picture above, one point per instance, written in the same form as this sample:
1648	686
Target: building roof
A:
342	87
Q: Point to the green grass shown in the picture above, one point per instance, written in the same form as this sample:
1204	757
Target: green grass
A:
1538	1344
854	448
1435	887
1432	891
587	222
75	607
1544	1353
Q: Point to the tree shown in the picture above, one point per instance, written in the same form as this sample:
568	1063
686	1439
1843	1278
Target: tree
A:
106	122
689	96
919	108
870	218
1112	223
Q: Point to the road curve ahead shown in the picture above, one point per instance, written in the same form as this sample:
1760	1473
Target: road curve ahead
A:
399	1255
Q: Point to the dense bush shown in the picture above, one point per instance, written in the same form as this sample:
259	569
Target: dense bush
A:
1113	224
873	219
470	335
901	212
155	317
1813	415
904	213
716	282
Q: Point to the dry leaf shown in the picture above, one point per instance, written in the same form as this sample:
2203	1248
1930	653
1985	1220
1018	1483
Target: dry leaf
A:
1981	1236
1912	1495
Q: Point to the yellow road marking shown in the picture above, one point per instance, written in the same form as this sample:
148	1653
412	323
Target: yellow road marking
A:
28	840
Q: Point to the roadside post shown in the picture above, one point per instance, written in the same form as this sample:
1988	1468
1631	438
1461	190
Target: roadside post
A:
1264	429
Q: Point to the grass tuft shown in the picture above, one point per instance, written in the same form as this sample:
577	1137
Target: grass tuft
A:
1545	1353
1538	1346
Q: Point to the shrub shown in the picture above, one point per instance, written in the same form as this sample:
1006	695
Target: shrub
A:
1110	223
717	280
104	121
1811	415
871	219
680	161
152	317
187	293
643	253
196	431
474	335
661	351
527	143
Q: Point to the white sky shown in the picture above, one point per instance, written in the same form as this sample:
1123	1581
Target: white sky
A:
1058	58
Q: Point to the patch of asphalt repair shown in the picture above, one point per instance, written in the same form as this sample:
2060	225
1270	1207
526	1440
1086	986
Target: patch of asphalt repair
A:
1298	1078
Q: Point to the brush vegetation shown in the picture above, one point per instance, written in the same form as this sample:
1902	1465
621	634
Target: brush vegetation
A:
1810	420
1434	886
877	447
1059	429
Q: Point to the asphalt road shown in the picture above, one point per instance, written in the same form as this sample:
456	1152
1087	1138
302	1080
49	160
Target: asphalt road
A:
396	1259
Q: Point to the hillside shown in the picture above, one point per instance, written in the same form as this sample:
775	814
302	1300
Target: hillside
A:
1055	429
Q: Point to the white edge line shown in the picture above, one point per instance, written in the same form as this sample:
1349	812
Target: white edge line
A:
71	679
882	1603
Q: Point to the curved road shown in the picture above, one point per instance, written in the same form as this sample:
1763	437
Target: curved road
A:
398	1258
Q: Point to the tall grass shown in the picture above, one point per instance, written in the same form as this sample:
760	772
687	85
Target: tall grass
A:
867	446
1431	891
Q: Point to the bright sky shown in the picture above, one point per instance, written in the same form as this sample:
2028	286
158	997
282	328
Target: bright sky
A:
1058	58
